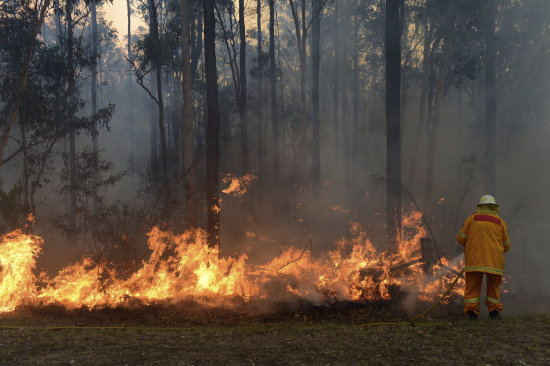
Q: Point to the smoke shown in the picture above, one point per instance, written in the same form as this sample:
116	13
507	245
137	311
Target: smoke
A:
278	210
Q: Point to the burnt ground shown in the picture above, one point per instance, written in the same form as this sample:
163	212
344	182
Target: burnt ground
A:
297	334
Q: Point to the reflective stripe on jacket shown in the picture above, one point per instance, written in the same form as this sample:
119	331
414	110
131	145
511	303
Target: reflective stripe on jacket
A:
485	237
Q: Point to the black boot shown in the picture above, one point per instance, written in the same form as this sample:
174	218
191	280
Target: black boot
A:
494	315
471	315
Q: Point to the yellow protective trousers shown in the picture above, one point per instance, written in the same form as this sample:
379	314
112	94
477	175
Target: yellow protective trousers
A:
472	291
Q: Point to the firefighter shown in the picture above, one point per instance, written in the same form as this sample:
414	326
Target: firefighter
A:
485	238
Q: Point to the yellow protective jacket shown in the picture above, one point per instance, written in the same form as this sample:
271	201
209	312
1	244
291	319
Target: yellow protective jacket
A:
485	237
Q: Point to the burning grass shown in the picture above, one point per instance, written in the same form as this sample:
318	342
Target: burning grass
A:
183	268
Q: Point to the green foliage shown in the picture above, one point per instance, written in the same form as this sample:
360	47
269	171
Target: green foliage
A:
12	208
93	176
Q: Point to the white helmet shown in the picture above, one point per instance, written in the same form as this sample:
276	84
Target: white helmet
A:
487	199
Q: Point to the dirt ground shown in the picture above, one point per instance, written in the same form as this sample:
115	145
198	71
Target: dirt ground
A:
338	335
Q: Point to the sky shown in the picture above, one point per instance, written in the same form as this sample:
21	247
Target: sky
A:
117	13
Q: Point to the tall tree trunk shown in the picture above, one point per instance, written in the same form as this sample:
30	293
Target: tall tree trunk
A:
154	32
243	108
129	44
301	42
154	161
94	87
282	135
26	172
186	161
355	84
72	147
393	125
196	41
260	106
162	129
315	62
59	27
303	100
336	78
213	127
434	118
423	97
273	80
490	106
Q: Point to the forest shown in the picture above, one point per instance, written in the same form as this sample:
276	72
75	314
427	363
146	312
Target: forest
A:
188	182
273	123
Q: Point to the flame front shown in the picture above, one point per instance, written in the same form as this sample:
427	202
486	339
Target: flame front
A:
17	261
183	267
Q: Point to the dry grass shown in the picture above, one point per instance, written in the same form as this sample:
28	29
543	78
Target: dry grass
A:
336	338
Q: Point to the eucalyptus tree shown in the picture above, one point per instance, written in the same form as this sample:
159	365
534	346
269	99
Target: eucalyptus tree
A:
213	127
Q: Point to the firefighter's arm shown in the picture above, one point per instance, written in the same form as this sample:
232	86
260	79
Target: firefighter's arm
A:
463	233
505	237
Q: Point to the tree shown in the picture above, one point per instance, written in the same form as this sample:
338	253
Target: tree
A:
393	122
301	30
243	109
335	95
186	161
315	62
24	77
237	64
51	106
273	88
148	57
260	104
129	40
490	104
213	127
157	65
93	63
70	100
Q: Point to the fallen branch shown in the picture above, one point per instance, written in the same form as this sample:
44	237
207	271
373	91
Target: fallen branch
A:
308	245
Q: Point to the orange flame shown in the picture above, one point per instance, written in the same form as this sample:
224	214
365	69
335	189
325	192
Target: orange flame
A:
17	261
340	209
238	186
185	267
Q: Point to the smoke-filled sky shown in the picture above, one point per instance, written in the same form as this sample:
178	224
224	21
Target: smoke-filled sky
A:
117	13
443	130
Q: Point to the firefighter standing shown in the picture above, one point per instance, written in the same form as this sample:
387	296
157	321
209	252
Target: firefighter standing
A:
485	238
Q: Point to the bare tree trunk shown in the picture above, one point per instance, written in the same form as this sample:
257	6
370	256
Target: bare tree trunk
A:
243	108
355	121
336	79
13	116
393	125
490	106
59	27
162	130
315	62
72	147
213	127
196	41
260	106
186	161
154	32
154	161
129	45
26	172
423	96
301	42
433	129
94	89
272	75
